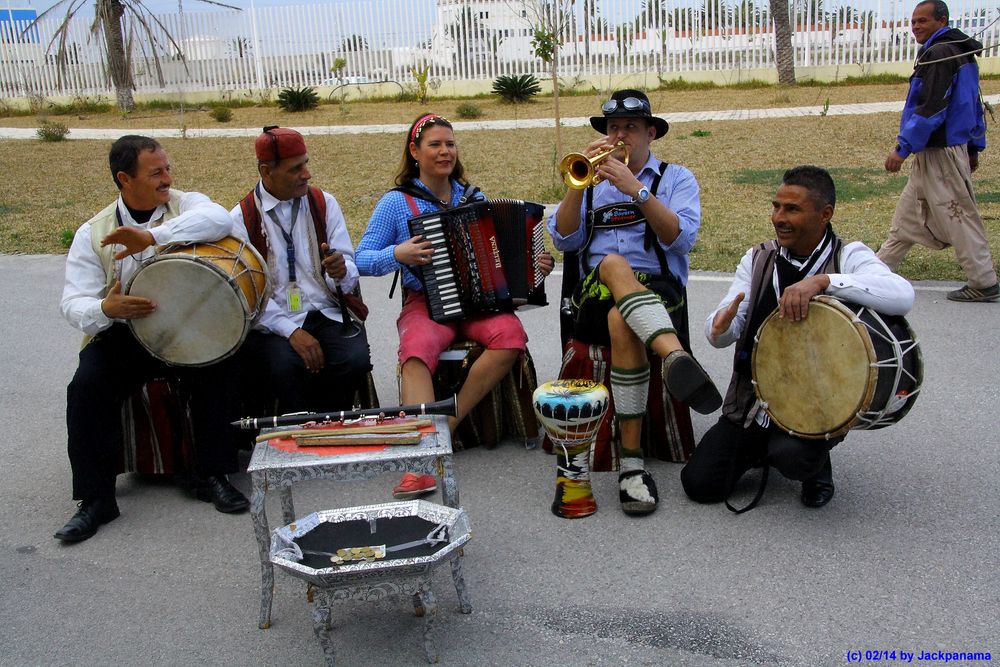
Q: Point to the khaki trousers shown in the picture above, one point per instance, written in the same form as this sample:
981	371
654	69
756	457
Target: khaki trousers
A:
937	209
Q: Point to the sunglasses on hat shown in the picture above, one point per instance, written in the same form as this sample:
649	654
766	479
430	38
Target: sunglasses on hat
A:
628	104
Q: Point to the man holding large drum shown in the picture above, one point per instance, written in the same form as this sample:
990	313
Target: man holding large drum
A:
806	259
106	251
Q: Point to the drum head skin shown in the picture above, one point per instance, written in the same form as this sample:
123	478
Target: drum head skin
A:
199	316
570	410
816	374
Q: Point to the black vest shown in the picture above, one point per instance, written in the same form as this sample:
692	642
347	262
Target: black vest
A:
741	399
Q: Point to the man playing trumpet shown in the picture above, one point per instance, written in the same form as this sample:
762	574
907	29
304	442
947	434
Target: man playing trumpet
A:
632	232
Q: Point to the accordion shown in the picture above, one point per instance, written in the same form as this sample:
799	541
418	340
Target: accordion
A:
485	258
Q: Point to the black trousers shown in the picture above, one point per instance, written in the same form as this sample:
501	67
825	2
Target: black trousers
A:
346	363
111	366
727	451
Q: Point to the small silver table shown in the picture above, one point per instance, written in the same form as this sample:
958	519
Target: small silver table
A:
273	468
374	579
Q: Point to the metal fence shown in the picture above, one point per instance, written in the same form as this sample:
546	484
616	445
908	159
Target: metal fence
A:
245	52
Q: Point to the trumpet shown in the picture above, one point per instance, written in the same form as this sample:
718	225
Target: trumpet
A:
579	171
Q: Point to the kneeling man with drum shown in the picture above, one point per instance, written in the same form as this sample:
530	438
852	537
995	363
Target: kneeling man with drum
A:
781	277
106	251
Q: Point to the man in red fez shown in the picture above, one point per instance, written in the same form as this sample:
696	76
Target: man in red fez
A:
316	355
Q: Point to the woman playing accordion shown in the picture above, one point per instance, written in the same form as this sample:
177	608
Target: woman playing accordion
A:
431	178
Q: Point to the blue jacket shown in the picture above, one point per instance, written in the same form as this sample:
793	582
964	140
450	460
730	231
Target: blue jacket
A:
943	107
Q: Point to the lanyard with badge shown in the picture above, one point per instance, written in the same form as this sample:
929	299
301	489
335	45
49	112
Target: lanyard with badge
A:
294	294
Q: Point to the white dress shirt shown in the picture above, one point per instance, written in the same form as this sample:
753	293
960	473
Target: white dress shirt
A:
317	289
200	219
865	280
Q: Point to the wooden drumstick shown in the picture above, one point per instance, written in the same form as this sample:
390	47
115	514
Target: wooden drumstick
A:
407	427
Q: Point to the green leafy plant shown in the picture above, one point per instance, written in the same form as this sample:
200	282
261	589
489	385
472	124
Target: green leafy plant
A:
515	89
468	110
52	131
221	114
298	99
421	74
701	133
337	69
66	237
826	107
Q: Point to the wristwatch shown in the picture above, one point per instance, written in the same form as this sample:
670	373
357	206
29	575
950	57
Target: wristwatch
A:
642	196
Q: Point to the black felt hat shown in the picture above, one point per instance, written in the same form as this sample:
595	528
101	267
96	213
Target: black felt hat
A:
628	103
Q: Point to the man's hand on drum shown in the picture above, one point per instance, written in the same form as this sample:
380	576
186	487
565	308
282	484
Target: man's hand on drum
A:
333	262
724	318
120	306
134	239
308	348
794	303
414	252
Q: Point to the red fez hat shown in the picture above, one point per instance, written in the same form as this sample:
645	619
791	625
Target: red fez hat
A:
277	143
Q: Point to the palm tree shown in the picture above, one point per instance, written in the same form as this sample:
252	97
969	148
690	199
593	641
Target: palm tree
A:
354	44
109	22
784	56
468	33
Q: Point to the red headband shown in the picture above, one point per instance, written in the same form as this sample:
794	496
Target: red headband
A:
418	127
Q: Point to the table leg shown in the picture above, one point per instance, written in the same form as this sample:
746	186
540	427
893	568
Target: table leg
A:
449	490
465	604
418	605
322	628
430	605
287	508
258	514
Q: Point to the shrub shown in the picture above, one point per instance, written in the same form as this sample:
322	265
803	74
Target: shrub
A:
408	94
221	114
298	99
468	110
516	89
50	131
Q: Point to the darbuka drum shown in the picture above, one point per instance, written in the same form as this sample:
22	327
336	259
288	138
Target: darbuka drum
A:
570	412
843	367
207	295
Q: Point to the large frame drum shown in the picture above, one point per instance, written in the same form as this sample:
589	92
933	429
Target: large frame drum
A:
843	367
207	295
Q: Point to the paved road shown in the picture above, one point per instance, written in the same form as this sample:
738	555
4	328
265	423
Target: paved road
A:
517	124
905	557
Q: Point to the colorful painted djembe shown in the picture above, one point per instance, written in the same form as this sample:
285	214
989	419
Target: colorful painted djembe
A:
570	412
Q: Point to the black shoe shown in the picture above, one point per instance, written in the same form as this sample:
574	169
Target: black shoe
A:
218	491
637	492
92	515
816	493
688	382
971	294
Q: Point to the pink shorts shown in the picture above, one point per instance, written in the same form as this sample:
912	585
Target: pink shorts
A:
425	339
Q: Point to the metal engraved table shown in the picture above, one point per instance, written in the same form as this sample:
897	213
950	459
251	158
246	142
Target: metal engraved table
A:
274	468
373	579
